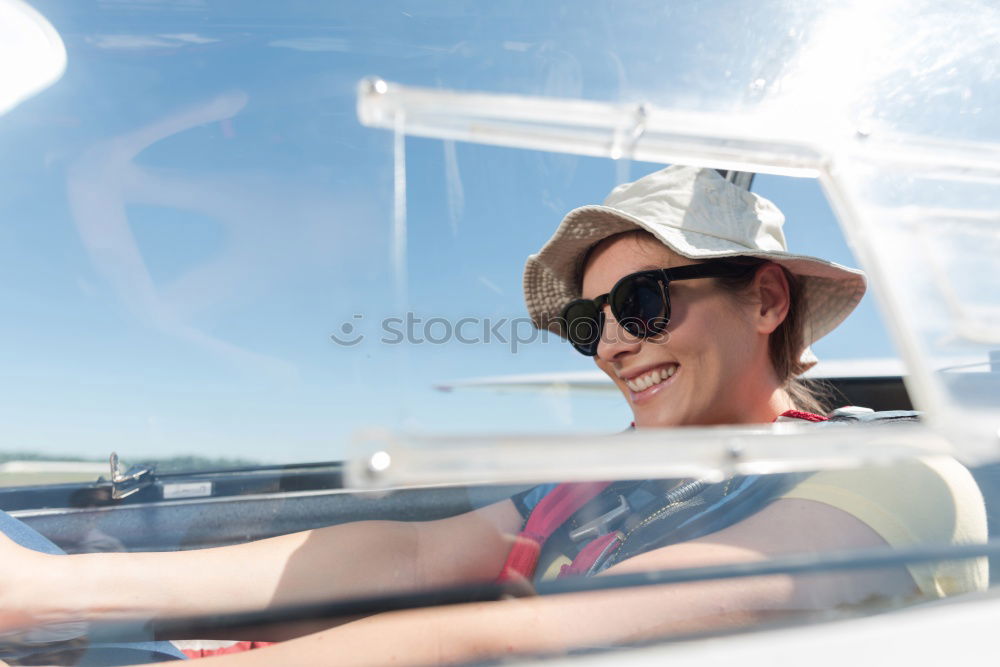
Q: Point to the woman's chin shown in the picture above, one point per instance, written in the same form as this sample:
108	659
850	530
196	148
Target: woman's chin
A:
651	419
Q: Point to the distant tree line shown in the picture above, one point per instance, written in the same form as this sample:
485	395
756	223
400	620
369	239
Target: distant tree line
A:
167	464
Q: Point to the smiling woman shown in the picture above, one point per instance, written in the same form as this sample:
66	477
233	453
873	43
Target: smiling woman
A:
684	325
772	306
710	364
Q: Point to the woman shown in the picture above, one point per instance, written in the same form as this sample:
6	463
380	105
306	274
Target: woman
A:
681	289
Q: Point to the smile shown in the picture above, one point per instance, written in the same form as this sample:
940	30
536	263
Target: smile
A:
650	378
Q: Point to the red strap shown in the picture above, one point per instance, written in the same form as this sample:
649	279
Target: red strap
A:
590	554
551	512
808	416
238	647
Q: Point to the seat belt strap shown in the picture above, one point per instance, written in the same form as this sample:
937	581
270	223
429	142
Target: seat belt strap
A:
596	551
800	414
551	512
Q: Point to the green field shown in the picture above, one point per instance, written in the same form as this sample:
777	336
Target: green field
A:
92	469
32	478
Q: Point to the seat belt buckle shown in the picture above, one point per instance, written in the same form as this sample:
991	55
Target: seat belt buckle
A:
603	524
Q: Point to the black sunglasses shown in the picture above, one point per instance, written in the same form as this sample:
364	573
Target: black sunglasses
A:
639	301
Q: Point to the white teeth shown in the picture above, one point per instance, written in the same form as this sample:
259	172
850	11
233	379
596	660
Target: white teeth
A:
647	380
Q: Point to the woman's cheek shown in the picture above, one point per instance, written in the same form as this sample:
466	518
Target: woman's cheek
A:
607	370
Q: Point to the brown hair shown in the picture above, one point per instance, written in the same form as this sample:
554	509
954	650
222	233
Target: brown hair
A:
786	343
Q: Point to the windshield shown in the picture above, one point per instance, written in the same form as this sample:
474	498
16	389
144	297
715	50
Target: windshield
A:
263	273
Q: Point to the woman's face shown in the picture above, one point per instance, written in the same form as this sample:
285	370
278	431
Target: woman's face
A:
710	366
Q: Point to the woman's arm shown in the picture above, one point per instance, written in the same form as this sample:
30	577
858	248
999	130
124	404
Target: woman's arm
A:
483	630
323	564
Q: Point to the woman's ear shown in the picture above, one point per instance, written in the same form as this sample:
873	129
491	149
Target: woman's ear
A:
770	286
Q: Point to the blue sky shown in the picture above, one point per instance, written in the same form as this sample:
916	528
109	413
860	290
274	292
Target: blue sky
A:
193	210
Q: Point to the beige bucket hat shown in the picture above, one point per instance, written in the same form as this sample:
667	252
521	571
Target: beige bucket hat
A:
698	214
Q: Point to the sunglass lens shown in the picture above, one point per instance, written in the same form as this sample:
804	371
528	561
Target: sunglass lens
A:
583	326
640	305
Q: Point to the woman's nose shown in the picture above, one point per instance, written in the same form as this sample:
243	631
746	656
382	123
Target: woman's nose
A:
615	340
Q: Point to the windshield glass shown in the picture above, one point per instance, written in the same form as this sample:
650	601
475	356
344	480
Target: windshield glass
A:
264	272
